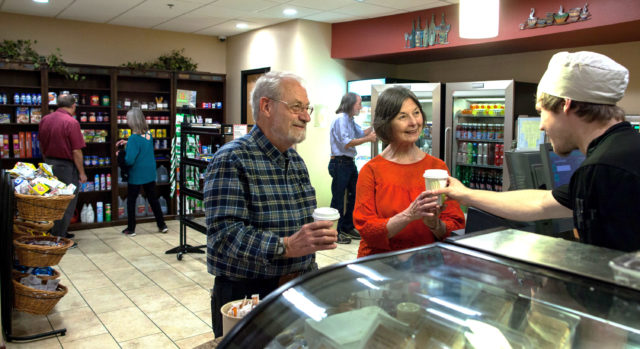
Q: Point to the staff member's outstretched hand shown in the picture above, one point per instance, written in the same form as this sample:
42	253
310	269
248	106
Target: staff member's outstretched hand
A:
310	238
455	190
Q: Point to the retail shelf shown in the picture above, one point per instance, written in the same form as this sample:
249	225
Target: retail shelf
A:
481	166
477	140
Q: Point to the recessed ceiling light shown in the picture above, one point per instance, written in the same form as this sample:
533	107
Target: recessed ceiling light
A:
42	1
290	11
242	26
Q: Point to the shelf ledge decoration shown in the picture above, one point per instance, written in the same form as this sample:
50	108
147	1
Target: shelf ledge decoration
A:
575	14
430	35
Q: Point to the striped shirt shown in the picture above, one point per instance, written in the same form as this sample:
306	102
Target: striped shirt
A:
253	195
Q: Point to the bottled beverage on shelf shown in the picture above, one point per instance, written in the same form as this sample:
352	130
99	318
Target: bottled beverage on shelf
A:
459	131
99	211
107	212
140	206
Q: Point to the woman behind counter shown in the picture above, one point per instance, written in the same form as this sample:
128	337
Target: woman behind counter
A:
142	170
393	211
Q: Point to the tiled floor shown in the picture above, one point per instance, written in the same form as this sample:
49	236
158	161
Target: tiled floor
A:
125	292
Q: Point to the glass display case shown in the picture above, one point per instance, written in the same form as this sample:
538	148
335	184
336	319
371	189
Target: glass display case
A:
501	289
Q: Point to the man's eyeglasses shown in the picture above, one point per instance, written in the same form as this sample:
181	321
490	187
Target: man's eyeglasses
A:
296	108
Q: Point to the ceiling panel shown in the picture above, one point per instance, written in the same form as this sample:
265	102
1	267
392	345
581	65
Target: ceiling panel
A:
276	12
325	5
154	12
28	7
246	5
332	17
97	10
367	10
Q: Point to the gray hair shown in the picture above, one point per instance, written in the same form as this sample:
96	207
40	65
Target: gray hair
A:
269	85
66	100
136	120
347	103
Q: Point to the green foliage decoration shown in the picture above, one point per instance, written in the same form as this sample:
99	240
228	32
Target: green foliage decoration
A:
22	51
174	61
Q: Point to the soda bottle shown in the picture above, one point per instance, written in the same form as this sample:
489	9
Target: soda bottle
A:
459	131
489	182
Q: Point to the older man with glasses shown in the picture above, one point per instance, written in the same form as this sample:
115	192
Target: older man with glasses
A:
259	200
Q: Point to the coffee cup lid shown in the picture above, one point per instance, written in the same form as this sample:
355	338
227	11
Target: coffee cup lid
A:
439	174
326	214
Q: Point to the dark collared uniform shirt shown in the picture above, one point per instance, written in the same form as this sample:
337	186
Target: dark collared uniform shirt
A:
253	195
604	192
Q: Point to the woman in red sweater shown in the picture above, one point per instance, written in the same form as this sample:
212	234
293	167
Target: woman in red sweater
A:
393	211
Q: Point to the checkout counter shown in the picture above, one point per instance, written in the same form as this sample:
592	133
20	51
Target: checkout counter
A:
496	288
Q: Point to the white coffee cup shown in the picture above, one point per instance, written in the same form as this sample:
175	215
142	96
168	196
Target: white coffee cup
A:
436	179
326	214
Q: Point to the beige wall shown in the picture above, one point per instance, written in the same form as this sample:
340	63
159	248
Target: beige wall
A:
527	67
104	44
303	48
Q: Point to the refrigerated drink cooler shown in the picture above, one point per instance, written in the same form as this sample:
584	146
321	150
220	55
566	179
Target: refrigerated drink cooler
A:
430	96
479	126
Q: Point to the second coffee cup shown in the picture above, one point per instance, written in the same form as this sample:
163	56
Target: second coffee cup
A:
327	214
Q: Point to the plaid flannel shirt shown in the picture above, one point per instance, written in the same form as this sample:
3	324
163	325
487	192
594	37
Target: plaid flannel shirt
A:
253	195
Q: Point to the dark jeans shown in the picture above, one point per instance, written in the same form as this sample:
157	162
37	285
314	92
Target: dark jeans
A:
345	176
226	290
67	173
132	194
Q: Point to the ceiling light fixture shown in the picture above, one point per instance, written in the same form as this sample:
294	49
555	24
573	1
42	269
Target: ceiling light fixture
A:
289	11
242	25
479	19
41	1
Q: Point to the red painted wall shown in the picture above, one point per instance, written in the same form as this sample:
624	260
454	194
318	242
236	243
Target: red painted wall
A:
383	37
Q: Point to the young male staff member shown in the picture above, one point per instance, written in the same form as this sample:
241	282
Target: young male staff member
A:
577	98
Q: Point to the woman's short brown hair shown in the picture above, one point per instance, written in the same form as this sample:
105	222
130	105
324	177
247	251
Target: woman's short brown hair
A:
388	106
589	112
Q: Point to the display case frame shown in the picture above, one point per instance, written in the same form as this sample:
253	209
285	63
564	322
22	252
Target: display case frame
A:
517	297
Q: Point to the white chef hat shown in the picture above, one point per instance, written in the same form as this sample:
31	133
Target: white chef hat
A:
586	77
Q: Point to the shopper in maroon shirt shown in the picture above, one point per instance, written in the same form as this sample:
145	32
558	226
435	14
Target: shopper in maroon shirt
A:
61	142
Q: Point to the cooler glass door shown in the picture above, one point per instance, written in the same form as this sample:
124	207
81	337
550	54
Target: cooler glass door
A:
364	152
429	97
479	124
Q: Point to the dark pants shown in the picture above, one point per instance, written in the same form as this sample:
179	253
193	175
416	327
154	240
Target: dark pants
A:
132	194
67	173
345	177
226	290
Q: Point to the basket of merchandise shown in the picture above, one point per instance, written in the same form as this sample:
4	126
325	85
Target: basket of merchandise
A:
40	196
40	251
43	273
37	296
48	208
31	228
